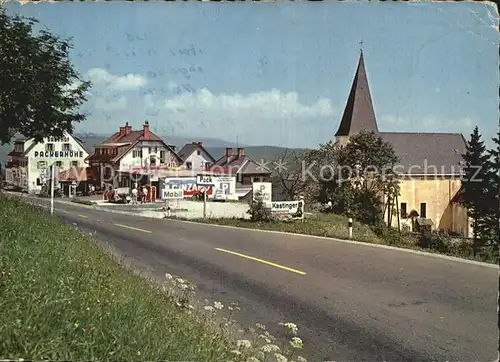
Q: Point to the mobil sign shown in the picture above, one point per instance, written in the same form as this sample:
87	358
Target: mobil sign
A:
187	184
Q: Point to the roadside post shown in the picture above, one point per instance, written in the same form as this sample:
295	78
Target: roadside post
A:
52	185
350	228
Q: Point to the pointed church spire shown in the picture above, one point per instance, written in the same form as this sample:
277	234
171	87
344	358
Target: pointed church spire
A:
358	113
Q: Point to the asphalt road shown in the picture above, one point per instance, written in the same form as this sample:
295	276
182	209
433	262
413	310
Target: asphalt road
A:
351	302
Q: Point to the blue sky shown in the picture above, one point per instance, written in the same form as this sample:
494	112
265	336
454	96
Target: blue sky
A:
280	73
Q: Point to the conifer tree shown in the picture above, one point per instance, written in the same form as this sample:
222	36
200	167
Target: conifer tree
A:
475	188
492	226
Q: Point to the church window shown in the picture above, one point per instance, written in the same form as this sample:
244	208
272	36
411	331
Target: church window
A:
423	210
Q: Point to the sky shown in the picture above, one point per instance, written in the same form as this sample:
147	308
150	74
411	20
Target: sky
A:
279	73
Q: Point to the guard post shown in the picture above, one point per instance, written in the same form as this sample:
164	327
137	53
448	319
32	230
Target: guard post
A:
350	228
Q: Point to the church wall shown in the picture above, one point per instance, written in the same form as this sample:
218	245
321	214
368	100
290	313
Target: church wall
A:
437	195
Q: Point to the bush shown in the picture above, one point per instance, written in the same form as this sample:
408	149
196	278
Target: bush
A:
259	211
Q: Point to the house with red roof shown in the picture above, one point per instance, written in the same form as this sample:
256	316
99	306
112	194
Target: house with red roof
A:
132	155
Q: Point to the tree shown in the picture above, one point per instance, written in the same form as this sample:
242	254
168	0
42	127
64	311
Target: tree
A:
41	91
288	174
357	177
492	222
475	188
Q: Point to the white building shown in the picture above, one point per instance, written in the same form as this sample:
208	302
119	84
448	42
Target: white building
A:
29	162
129	152
196	157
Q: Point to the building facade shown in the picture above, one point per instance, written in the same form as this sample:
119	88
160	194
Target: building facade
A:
196	157
29	163
429	169
131	155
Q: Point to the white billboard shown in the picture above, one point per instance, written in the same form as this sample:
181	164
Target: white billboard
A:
288	208
222	184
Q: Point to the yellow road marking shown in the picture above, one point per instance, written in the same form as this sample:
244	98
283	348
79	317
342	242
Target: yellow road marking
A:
133	228
262	261
61	210
85	217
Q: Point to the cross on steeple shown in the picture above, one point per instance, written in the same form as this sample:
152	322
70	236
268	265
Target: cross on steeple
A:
361	42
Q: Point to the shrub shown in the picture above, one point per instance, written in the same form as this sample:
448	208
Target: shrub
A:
258	210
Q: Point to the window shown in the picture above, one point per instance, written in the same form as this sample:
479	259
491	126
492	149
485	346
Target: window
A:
74	163
404	211
137	154
66	147
189	165
198	152
423	210
49	147
207	165
162	156
38	182
149	150
152	161
41	165
59	164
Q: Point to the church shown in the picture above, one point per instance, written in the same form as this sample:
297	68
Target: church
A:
429	168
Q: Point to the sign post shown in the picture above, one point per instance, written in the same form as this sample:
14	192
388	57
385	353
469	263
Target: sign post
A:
205	180
172	194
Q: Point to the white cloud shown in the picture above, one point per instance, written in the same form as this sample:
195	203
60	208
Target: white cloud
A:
111	104
101	78
260	117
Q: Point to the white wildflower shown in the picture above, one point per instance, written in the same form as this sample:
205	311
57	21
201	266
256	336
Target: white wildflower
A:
183	286
209	308
301	359
244	343
252	359
280	357
297	343
269	348
168	276
180	281
291	326
236	352
218	305
260	326
265	338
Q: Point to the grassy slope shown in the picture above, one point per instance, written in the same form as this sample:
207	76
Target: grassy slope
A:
62	298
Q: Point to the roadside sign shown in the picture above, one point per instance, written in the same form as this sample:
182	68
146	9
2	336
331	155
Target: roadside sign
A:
173	194
206	180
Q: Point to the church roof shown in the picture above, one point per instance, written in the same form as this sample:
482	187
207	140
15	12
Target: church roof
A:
430	154
358	113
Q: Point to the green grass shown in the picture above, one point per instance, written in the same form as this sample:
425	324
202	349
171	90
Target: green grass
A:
63	298
327	225
336	226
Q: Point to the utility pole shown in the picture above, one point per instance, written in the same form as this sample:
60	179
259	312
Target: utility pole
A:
52	185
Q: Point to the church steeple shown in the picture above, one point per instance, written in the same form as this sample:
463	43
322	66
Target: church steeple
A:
358	113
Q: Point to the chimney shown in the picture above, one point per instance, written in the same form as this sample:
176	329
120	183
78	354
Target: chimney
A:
229	153
146	130
122	131
128	129
241	152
